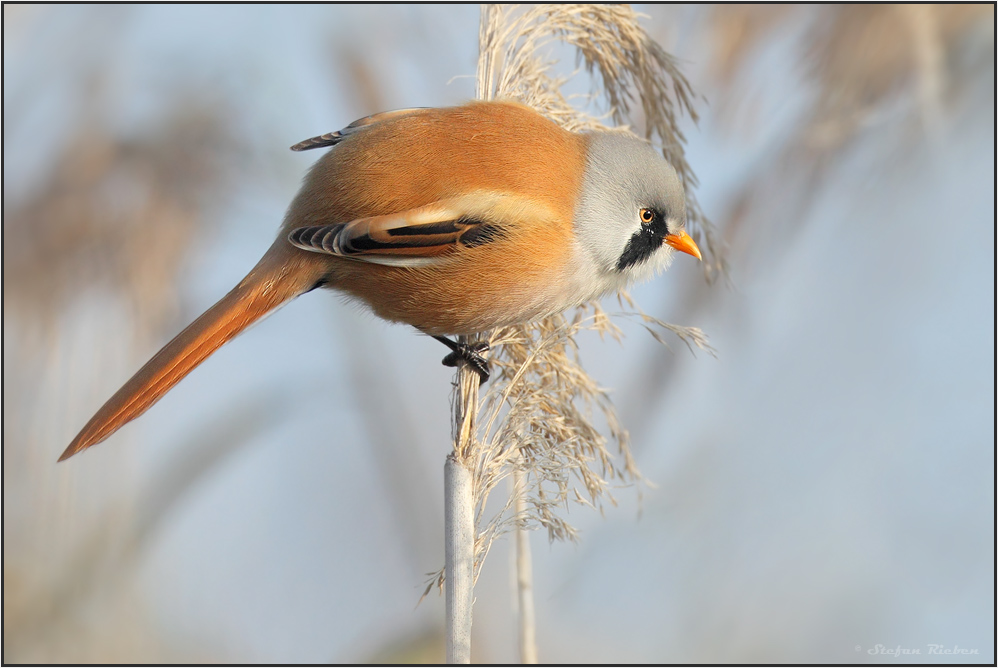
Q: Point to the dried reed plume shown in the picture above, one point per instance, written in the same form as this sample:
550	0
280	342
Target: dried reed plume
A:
538	417
623	62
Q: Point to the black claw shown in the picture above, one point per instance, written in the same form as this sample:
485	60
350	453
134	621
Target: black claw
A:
470	354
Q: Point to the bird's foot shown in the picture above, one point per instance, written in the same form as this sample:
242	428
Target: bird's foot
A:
471	354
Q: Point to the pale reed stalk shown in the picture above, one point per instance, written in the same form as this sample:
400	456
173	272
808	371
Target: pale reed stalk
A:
536	418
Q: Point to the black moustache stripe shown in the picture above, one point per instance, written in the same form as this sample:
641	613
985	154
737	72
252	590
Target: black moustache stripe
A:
643	243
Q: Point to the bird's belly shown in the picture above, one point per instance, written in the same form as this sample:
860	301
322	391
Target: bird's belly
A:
456	299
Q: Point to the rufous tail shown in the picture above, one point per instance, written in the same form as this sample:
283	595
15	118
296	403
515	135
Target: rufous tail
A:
280	276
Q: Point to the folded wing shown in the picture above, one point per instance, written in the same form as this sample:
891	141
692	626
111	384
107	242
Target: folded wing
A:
413	238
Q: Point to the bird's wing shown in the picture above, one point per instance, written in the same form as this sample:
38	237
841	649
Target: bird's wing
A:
333	138
414	238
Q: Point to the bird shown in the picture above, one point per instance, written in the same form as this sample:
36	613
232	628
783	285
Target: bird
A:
454	220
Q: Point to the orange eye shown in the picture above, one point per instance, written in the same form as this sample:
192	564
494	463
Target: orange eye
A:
647	216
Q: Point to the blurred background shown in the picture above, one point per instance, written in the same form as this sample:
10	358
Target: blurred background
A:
825	486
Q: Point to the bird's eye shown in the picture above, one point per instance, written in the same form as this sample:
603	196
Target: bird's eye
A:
647	216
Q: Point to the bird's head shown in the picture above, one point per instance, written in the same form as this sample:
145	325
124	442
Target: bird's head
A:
631	213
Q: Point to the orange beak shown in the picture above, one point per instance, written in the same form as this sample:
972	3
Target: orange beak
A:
683	242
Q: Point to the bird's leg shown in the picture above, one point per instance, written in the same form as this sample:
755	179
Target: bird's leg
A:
470	354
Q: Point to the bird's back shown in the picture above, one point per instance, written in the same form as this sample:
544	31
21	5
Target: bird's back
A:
431	155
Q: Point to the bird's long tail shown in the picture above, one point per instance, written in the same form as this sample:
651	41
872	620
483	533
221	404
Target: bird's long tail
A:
280	276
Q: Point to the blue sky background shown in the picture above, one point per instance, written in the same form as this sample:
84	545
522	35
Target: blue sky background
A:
825	486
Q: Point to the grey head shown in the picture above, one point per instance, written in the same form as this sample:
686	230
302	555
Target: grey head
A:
631	200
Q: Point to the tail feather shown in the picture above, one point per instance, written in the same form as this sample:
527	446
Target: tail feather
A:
271	284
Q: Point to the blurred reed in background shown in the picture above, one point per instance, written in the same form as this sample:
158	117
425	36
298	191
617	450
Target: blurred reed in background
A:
864	71
103	218
108	223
